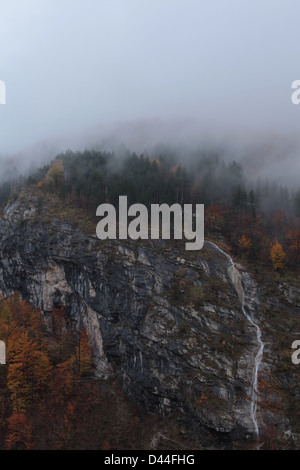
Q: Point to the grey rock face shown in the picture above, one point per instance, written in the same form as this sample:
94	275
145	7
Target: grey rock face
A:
169	326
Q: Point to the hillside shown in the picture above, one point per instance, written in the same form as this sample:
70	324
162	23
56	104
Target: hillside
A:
164	324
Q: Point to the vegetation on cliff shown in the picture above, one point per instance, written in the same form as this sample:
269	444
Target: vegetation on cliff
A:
258	224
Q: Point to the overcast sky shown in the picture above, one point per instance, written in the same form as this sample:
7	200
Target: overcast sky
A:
73	64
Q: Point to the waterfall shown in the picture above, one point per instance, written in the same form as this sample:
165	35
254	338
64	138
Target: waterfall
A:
236	281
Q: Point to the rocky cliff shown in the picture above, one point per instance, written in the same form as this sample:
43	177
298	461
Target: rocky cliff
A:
166	323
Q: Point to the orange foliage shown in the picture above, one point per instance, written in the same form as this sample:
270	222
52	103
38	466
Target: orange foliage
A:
105	445
294	241
244	243
277	255
157	162
28	370
55	175
202	399
36	371
213	216
19	432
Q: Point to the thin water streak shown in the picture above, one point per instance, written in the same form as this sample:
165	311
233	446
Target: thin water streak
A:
235	278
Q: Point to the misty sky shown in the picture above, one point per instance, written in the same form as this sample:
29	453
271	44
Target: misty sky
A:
73	64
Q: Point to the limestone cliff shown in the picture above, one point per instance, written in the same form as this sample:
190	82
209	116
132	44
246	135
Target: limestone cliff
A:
167	324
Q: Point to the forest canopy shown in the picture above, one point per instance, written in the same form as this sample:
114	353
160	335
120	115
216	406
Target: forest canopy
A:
252	217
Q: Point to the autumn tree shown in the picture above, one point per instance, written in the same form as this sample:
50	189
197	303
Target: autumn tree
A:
39	383
277	255
244	244
294	243
19	432
83	354
61	340
55	176
20	315
214	217
29	370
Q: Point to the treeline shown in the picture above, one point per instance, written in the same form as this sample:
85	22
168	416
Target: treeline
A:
93	177
253	218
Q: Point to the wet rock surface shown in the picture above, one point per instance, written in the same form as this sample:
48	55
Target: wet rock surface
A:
167	325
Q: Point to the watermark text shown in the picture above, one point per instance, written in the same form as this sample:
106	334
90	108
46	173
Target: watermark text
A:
296	94
2	353
296	354
134	222
2	92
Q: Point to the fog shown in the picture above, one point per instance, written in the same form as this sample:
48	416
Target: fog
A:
142	73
